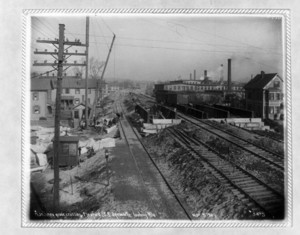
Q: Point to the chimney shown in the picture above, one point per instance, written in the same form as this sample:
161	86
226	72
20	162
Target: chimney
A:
229	75
194	74
190	76
262	74
205	74
221	73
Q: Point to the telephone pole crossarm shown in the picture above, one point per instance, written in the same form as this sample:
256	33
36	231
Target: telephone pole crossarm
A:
67	43
56	53
55	64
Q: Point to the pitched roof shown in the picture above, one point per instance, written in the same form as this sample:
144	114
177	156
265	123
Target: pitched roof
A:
45	84
40	84
259	81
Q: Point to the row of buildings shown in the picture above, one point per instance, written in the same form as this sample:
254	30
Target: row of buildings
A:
263	94
43	94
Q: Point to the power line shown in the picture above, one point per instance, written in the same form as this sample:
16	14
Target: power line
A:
107	26
172	48
48	27
102	33
186	43
219	36
98	51
66	31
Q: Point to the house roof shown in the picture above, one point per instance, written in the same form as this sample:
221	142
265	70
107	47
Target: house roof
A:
260	81
69	138
81	104
40	84
45	84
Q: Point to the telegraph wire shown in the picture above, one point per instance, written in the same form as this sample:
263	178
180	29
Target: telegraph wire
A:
48	27
99	26
107	26
177	42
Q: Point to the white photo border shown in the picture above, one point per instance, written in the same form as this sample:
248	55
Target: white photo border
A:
286	26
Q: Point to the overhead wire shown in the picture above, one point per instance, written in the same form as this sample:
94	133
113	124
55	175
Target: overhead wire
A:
222	37
47	26
102	32
177	42
165	41
107	26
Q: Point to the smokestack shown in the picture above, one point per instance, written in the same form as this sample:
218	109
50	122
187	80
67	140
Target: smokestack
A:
229	75
222	73
190	76
194	74
205	74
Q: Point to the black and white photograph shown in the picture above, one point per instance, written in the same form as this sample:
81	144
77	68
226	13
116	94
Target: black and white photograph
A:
157	117
149	117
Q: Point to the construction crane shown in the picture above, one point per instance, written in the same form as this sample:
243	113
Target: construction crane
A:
93	111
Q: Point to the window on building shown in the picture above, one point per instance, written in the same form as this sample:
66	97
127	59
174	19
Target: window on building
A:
76	101
271	96
76	114
277	109
277	84
278	96
36	109
77	91
35	96
271	110
82	98
89	100
67	91
49	95
90	91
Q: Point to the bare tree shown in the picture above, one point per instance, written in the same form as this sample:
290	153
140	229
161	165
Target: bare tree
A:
95	67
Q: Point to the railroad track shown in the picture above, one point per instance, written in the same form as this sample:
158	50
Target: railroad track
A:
274	160
257	195
271	135
243	133
164	181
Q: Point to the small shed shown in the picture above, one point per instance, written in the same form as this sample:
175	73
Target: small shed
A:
68	151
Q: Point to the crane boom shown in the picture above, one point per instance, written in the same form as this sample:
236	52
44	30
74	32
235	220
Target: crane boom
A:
101	78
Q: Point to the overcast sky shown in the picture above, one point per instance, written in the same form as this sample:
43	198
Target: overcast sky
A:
164	47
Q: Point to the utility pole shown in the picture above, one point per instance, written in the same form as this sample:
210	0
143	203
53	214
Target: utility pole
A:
86	69
57	118
60	57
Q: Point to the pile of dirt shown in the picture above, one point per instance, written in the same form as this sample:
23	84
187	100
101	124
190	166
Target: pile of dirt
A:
238	156
82	189
270	144
264	142
206	197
